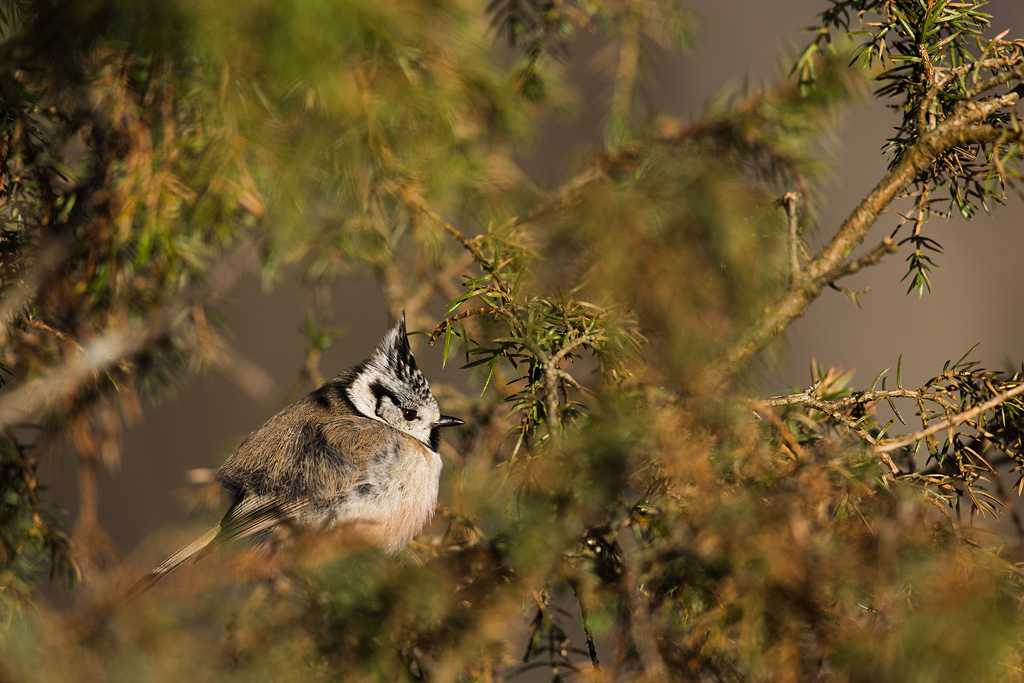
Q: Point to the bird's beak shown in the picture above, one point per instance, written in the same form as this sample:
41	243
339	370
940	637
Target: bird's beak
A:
448	421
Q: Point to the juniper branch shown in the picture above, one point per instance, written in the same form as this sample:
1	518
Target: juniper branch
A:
952	421
964	127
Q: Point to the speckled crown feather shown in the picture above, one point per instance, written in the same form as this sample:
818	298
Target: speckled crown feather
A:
394	356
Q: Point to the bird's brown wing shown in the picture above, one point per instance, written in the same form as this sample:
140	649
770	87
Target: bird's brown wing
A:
251	516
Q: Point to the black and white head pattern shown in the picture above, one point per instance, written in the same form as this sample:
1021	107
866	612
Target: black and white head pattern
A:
389	387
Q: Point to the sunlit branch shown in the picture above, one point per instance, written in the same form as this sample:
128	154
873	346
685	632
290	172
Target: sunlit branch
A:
950	422
965	127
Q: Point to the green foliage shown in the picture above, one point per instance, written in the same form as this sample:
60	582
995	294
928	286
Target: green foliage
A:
537	336
33	537
946	456
354	127
935	64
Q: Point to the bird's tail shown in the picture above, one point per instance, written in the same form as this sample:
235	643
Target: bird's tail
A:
171	563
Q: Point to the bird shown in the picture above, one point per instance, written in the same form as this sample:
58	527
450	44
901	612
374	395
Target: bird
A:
359	453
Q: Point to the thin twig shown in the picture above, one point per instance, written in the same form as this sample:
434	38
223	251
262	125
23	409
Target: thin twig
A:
791	202
887	246
447	322
831	411
928	76
585	618
949	76
49	261
1014	74
784	431
250	378
861	397
417	200
55	332
309	372
950	422
115	346
626	70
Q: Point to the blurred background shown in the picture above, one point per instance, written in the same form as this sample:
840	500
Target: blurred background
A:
210	415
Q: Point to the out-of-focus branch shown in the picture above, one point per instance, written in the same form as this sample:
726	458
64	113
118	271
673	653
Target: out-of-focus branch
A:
415	202
626	69
791	202
640	623
49	261
248	377
309	372
115	347
624	158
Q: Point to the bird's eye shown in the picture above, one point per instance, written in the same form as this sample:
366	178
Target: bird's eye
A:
409	414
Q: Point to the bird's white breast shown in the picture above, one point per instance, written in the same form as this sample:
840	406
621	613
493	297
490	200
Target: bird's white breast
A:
390	509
